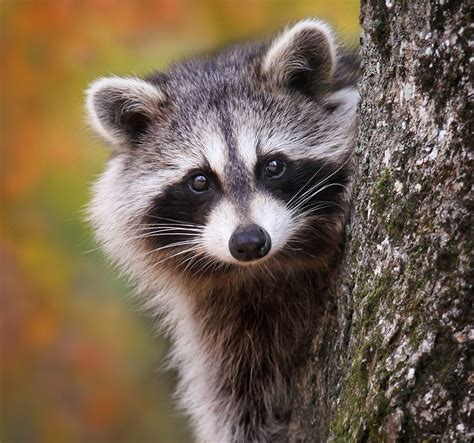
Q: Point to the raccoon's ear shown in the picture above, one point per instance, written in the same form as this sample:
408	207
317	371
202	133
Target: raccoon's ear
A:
302	57
121	109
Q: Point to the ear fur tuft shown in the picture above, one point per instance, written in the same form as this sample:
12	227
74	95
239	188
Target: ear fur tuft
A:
116	107
302	56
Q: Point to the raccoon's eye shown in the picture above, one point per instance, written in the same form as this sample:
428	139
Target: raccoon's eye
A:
199	183
274	168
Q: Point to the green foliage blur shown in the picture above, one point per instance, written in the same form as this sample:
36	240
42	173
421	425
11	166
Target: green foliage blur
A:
79	362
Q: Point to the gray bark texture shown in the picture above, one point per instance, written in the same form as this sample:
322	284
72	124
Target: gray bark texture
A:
390	360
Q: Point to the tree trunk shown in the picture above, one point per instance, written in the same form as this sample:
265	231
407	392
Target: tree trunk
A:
390	361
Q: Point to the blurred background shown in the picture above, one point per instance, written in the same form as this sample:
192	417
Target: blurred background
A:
78	361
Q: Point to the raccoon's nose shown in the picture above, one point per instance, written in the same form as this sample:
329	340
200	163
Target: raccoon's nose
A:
249	243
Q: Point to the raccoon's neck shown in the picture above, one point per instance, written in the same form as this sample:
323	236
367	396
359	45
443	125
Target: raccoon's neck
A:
253	333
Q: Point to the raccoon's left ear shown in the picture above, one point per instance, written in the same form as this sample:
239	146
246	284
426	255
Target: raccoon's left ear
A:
302	57
121	109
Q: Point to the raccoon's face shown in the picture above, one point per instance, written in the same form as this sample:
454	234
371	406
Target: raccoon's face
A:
231	164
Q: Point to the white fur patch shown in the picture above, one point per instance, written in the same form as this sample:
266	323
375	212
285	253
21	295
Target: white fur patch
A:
247	146
221	224
275	218
347	99
214	151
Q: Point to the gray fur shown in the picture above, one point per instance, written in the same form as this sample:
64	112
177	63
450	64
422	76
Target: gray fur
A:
238	330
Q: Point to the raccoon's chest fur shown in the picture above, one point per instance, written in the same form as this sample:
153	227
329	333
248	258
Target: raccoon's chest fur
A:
253	335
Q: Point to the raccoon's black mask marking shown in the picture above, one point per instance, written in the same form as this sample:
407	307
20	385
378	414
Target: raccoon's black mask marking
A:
179	205
301	176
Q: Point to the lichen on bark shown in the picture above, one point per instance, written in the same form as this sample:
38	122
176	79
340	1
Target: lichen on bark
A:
390	361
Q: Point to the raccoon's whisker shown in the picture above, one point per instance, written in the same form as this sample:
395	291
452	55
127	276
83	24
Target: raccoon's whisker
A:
214	262
307	253
311	210
207	265
254	277
181	227
316	192
200	259
170	223
325	179
304	186
219	265
303	197
90	251
170	232
212	265
291	248
173	245
186	251
299	240
314	209
267	269
322	235
165	233
184	260
189	261
315	212
176	221
169	228
155	228
160	234
309	228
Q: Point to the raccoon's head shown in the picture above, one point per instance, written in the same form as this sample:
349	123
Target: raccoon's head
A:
233	164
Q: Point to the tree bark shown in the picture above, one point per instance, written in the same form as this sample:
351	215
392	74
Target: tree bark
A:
390	359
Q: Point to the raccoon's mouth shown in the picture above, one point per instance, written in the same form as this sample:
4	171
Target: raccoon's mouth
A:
250	243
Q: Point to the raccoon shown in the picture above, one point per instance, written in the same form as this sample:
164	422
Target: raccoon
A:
225	201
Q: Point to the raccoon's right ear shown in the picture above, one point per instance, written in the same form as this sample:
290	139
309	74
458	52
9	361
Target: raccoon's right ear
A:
121	109
302	57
